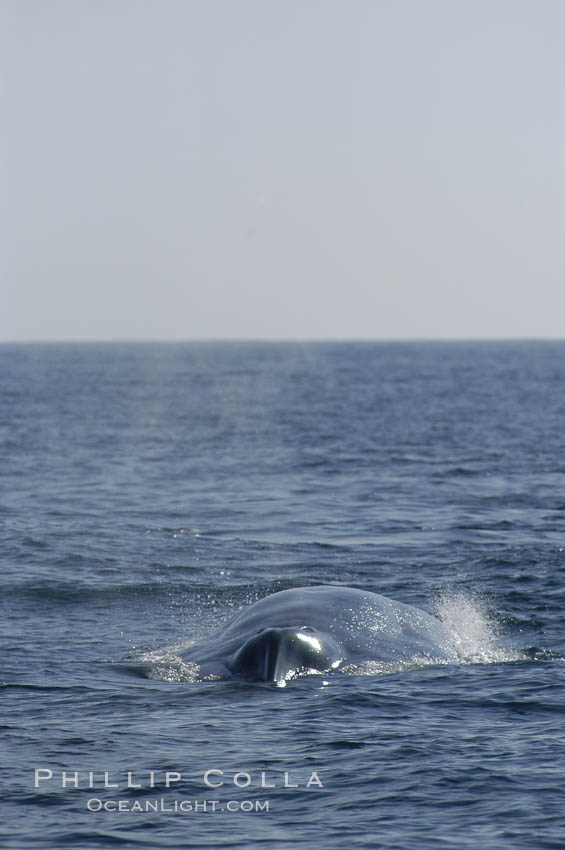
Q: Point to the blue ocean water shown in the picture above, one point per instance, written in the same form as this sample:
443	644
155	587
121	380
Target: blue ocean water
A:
150	491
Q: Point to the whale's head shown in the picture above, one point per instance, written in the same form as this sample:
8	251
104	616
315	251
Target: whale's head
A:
277	654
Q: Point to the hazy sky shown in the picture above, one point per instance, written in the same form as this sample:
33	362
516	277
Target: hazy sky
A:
186	169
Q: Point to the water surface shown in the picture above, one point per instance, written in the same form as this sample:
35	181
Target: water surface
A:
148	492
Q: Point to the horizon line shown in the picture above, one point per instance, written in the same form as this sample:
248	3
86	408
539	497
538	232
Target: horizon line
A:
276	340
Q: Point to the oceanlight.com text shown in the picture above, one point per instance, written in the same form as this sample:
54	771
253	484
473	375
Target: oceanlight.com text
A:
95	804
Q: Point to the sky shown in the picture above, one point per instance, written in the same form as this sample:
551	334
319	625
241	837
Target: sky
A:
282	169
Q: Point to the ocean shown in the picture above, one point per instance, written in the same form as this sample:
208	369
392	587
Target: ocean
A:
151	491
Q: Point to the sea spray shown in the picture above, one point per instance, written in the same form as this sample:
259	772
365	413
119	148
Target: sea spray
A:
476	633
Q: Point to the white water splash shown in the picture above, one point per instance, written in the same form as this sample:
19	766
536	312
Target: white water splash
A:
476	633
166	665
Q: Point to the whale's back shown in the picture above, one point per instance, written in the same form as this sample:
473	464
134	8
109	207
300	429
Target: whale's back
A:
350	625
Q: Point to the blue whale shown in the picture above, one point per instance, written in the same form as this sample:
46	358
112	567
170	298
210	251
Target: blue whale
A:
317	630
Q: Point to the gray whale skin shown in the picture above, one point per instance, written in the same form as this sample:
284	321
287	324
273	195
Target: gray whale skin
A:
319	629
